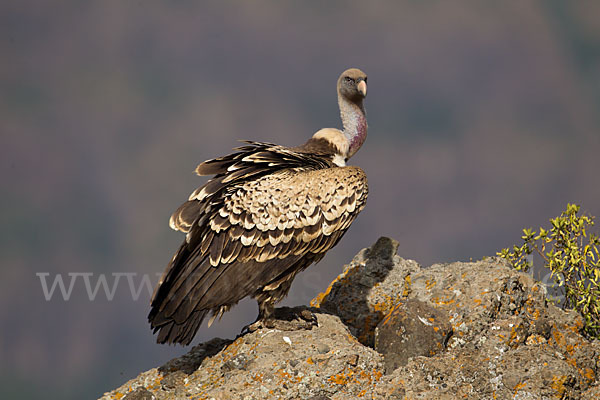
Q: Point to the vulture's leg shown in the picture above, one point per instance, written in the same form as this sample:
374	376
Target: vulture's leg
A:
291	319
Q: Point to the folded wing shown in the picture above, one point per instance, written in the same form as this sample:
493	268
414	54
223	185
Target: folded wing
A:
248	230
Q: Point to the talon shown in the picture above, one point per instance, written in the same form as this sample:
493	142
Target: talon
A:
253	327
308	316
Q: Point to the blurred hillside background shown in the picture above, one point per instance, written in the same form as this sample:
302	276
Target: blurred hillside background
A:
484	118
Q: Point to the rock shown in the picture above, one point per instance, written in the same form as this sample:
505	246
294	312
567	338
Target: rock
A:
238	362
358	295
412	328
592	393
173	380
141	393
507	342
322	348
275	369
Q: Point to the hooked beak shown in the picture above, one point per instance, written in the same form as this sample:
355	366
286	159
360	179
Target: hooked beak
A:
362	88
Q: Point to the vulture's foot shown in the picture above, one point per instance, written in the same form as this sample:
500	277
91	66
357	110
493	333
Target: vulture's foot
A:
291	319
285	319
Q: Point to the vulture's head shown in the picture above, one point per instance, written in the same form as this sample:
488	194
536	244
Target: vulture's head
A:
352	84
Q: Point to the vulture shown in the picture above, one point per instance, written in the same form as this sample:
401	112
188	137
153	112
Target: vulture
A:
267	213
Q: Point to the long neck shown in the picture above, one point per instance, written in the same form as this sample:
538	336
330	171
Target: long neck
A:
354	120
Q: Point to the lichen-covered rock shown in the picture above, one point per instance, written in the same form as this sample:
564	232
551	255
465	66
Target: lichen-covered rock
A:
507	339
325	362
370	286
412	328
141	393
592	393
507	342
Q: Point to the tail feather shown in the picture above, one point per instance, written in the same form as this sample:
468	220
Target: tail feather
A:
183	333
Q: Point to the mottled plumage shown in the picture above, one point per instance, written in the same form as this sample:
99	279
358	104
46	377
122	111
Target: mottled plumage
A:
268	213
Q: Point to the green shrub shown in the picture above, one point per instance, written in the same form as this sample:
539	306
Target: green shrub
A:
573	257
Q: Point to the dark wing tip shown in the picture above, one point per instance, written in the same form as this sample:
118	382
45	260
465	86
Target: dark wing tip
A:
173	333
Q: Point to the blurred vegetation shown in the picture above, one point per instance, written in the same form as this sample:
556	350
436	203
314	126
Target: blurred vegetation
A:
572	254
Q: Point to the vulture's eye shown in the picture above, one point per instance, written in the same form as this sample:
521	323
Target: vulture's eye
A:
348	79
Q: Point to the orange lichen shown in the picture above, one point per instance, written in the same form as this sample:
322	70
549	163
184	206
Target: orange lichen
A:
588	374
407	284
389	316
156	384
514	338
535	340
558	337
318	300
341	378
258	377
286	377
343	279
534	313
377	374
388	303
446	301
558	384
578	326
231	350
518	387
356	376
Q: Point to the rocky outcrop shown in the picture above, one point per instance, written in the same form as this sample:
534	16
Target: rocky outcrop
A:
389	329
412	328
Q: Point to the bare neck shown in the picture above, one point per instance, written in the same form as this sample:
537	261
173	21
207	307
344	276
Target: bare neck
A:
354	120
